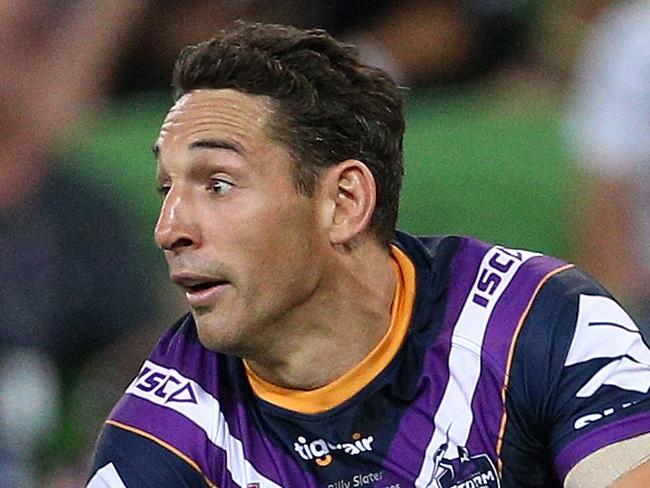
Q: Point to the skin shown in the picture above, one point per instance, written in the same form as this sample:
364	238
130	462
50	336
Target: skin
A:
303	290
637	478
611	466
307	289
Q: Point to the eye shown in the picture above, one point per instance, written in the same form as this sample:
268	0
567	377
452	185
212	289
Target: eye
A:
220	186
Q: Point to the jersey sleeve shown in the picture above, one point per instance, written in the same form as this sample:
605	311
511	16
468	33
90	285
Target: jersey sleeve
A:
126	459
581	374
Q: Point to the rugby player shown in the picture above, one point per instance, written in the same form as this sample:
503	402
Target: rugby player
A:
323	348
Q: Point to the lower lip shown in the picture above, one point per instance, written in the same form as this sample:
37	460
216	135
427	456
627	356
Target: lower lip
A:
203	298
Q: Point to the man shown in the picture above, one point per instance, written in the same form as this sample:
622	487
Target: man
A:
326	349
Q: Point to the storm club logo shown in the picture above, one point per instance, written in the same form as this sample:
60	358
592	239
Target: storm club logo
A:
465	471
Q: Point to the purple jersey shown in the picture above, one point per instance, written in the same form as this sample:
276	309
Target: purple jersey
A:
501	368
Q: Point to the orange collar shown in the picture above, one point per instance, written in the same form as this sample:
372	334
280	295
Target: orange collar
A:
348	385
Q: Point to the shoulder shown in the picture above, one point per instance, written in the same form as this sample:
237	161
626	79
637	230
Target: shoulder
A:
126	458
176	405
482	287
478	296
569	315
474	262
580	371
424	251
179	376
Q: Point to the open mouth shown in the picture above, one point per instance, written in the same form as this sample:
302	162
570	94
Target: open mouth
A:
200	290
204	286
205	293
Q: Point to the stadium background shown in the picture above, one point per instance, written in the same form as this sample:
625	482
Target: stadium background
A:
487	153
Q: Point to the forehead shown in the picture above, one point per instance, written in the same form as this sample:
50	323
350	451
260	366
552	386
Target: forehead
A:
223	113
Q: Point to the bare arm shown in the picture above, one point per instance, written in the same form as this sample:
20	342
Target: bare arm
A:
637	478
625	464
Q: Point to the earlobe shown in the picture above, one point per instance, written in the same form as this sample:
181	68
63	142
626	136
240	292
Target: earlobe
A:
353	197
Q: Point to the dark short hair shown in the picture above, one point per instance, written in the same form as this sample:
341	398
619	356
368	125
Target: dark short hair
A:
330	106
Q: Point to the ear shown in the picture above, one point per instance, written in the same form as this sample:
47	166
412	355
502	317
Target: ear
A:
350	197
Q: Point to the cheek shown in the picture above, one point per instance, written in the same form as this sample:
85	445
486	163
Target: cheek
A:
266	239
282	229
282	260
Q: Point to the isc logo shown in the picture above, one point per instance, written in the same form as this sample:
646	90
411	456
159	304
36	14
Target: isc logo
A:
165	386
492	274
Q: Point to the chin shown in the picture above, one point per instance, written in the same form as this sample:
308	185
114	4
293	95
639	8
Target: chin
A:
220	336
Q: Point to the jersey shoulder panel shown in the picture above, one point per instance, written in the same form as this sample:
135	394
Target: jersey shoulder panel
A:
485	291
125	459
580	374
198	404
169	400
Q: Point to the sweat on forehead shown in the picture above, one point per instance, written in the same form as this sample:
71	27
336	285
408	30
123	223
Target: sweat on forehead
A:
254	107
200	111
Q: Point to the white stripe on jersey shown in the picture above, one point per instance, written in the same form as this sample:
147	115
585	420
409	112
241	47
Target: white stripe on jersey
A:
106	477
205	414
605	330
454	416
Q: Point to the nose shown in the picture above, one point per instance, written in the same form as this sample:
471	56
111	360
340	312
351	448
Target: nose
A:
176	229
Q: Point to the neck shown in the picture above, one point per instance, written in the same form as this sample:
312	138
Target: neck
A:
345	320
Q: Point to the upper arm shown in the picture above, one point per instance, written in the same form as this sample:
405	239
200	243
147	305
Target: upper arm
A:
581	383
603	388
126	459
637	478
625	464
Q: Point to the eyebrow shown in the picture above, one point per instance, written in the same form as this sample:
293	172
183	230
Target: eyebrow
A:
217	144
207	144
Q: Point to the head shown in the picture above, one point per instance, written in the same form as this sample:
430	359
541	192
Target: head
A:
328	106
280	148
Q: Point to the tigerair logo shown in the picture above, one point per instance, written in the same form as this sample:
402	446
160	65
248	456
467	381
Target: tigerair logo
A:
321	451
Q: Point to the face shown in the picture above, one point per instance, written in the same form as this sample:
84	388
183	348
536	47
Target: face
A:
239	239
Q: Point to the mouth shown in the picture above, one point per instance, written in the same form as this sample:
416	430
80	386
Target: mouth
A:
206	285
200	291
